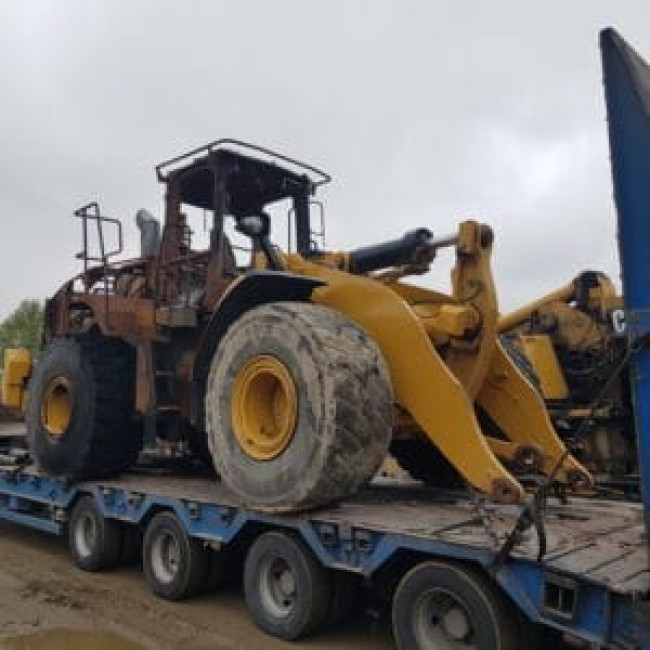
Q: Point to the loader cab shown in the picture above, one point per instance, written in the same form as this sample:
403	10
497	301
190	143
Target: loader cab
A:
225	187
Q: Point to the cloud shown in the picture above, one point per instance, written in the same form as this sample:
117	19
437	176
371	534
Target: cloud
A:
425	114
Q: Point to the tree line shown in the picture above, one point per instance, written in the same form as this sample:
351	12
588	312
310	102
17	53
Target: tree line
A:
22	328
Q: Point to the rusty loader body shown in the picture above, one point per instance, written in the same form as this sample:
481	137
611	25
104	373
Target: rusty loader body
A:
294	371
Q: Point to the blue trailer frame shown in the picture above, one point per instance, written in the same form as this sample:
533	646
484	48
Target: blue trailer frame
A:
587	585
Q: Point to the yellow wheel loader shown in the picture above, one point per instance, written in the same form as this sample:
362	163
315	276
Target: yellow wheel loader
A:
569	343
293	370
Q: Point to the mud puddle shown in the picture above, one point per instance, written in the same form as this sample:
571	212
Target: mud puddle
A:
62	639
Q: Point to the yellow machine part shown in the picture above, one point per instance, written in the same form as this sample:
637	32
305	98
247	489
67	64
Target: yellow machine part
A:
573	328
521	315
519	411
16	368
56	407
438	387
574	324
539	350
264	407
423	383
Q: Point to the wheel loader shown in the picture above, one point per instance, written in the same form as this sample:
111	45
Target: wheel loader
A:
294	370
569	343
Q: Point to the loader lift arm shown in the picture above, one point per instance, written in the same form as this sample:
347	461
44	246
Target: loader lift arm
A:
444	358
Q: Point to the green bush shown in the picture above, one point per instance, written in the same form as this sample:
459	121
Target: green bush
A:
22	329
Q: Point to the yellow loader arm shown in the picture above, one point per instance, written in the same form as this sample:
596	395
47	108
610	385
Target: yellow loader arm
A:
444	357
519	411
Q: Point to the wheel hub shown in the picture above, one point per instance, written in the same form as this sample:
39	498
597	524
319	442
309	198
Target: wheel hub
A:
85	535
287	583
56	407
165	556
278	587
264	407
442	623
456	624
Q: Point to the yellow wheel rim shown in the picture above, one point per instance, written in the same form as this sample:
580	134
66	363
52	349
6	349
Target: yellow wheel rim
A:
264	407
56	407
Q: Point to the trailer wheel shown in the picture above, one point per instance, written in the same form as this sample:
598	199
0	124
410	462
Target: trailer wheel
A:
95	542
298	407
287	592
80	412
175	565
439	605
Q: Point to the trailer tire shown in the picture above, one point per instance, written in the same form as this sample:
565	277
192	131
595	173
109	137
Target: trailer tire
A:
446	605
95	542
175	565
80	412
287	592
298	407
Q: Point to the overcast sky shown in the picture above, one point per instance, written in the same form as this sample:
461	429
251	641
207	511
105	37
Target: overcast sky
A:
425	113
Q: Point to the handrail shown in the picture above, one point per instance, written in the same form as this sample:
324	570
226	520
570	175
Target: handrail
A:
85	213
219	144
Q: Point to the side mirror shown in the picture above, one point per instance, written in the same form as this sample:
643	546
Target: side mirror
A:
258	227
255	226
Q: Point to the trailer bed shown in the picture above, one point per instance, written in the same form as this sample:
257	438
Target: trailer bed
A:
593	576
603	541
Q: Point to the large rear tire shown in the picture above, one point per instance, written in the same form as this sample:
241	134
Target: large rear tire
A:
80	412
298	407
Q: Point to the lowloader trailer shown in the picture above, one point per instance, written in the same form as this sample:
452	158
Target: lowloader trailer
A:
440	555
458	569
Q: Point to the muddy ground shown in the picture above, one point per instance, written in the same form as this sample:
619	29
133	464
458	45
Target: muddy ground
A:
42	592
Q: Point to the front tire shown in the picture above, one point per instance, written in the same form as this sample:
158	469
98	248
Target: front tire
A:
298	407
80	412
